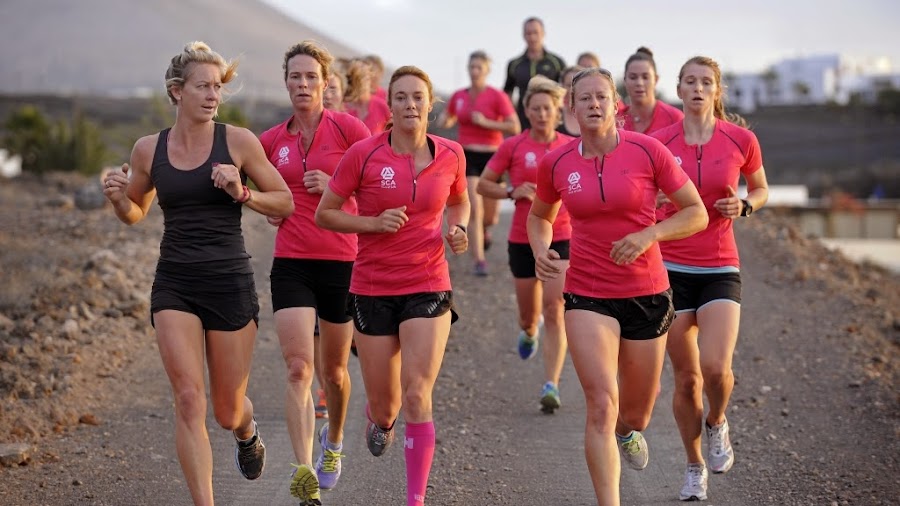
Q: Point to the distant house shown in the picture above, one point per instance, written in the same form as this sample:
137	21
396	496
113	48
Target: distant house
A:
812	80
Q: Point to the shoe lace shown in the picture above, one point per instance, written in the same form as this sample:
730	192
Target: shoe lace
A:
695	476
330	460
717	440
632	447
379	437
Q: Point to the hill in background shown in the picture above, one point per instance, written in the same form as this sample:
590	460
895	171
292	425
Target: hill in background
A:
122	48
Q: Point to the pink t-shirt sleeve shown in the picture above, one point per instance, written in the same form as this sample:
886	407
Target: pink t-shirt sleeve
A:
266	139
753	157
451	107
546	191
501	159
347	174
669	176
460	185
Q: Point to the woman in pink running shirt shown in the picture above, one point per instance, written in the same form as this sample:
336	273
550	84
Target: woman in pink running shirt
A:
312	267
644	113
519	155
359	100
400	294
484	114
715	150
618	301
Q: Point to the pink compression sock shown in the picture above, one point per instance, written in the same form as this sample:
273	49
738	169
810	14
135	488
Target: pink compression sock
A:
419	449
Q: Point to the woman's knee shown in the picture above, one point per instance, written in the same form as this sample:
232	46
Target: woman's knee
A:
715	373
417	401
299	370
553	312
688	383
601	411
190	403
334	375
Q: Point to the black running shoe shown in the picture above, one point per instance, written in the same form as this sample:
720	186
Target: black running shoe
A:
250	455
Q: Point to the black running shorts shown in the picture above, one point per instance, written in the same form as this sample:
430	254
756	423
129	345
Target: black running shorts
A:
382	315
225	302
640	318
476	161
320	284
693	291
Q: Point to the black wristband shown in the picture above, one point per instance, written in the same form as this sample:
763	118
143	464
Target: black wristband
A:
463	228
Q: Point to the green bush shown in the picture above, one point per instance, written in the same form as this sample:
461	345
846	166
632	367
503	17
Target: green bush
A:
74	145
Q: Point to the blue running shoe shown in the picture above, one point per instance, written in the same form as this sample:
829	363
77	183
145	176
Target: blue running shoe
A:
528	345
328	465
550	398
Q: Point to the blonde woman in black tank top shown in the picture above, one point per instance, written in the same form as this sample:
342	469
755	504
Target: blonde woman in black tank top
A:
203	301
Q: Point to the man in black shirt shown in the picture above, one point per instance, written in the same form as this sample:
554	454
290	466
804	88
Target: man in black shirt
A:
536	60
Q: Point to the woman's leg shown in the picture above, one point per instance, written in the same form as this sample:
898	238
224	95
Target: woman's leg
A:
335	346
422	344
718	322
594	347
476	217
687	400
554	327
294	326
181	344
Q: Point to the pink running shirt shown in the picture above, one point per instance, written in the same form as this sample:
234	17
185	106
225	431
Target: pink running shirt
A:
520	155
663	116
492	103
730	152
609	198
299	236
412	259
378	114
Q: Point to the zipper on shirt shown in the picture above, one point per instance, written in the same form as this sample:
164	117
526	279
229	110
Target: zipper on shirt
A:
699	151
600	176
415	178
300	147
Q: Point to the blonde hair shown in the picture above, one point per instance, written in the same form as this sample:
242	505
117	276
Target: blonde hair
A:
542	84
196	52
719	102
312	49
357	81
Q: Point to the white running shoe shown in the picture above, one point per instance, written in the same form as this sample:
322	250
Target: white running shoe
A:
635	451
695	481
721	454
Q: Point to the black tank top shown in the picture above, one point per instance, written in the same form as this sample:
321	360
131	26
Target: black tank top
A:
202	222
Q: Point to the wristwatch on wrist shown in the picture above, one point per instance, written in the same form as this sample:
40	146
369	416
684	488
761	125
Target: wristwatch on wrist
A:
509	192
746	208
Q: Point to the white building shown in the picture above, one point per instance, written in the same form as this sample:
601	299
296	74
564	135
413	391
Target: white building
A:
811	80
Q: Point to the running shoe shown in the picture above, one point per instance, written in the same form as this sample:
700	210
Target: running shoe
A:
695	481
377	439
250	455
321	405
305	486
328	465
721	454
528	345
635	451
481	269
488	239
549	398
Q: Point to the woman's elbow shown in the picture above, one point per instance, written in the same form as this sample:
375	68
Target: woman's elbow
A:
285	206
701	218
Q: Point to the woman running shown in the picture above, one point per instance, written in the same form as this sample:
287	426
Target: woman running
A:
484	114
400	294
520	156
618	301
203	303
715	150
359	100
311	270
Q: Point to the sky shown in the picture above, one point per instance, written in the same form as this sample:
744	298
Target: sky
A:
743	36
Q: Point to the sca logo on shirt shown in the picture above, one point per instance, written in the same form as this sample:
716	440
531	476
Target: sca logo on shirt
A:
283	155
530	159
387	178
574	182
678	160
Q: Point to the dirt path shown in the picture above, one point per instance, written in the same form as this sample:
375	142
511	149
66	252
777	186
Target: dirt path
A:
814	415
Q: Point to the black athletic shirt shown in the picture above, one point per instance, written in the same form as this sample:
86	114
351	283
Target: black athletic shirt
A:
520	70
202	222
